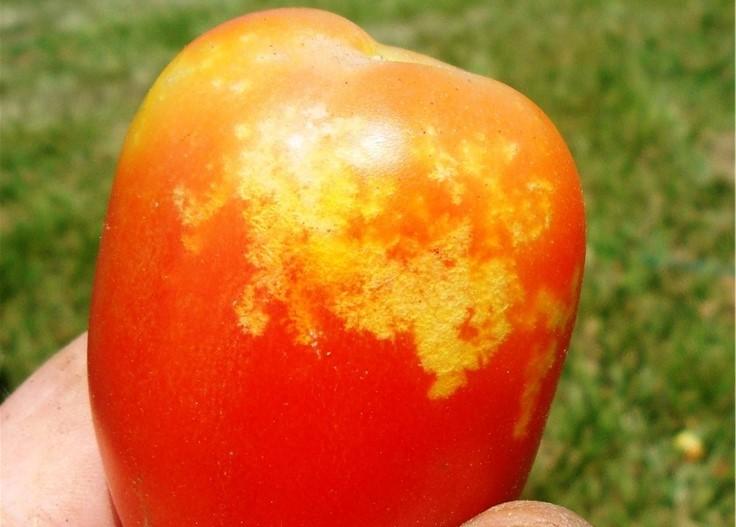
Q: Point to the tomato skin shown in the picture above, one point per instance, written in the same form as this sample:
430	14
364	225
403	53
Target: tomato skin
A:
336	285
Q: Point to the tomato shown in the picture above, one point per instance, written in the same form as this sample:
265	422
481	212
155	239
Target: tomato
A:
336	285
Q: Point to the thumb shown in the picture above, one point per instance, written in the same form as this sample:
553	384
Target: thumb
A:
50	468
527	514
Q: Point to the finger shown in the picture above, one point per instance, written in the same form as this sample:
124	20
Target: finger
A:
527	514
50	468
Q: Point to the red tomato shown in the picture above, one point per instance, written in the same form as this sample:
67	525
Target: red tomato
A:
336	285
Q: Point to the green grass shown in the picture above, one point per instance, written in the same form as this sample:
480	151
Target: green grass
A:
643	92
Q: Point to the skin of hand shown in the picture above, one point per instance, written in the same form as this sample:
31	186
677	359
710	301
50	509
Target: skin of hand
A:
51	472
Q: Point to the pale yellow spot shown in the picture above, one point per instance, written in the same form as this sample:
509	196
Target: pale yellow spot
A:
251	317
446	170
446	385
194	210
191	67
247	38
548	311
395	54
477	157
555	312
444	167
208	62
543	358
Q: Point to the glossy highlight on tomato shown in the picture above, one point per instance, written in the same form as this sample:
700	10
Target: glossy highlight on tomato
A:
336	285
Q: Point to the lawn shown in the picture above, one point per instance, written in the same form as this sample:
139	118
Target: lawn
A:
642	91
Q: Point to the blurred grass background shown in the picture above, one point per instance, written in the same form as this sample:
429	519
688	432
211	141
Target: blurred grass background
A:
642	430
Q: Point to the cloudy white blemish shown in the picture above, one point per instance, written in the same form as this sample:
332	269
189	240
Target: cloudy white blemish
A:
540	185
240	86
295	143
317	111
379	144
241	131
511	150
271	56
313	338
359	142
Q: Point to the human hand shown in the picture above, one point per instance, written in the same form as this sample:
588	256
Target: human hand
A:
50	469
51	472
